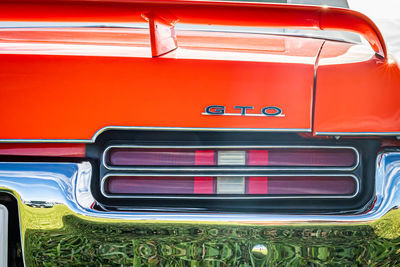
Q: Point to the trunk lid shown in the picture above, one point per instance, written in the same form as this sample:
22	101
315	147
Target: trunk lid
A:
72	83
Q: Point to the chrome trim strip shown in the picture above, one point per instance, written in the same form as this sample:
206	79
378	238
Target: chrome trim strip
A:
267	130
46	141
4	235
297	130
93	139
308	130
103	180
358	133
247	168
314	88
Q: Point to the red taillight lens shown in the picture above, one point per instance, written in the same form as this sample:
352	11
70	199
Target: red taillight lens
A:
280	157
271	185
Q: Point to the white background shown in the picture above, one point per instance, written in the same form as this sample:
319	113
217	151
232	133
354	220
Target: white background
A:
386	14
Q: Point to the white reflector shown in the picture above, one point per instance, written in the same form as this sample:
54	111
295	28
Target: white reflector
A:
231	157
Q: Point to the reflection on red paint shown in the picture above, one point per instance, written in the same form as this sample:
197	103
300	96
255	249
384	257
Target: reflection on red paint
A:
43	150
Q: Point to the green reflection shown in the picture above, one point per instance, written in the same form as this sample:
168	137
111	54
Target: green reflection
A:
389	225
86	243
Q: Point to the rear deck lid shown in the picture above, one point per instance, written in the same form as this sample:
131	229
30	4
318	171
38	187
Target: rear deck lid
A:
71	83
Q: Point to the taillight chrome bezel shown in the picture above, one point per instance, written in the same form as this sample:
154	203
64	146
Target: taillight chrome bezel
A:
358	164
127	196
230	168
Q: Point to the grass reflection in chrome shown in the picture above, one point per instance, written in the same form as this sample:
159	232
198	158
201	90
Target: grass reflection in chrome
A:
83	243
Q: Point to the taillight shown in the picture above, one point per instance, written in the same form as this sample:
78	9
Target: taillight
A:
241	172
274	185
261	157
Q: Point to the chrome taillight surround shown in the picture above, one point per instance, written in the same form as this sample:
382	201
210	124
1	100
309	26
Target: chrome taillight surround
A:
105	161
227	196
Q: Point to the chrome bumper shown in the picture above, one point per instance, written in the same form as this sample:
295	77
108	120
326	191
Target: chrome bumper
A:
58	225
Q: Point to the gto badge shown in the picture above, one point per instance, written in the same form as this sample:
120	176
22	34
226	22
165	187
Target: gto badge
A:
242	111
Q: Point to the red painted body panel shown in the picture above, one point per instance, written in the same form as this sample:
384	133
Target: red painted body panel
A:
51	95
43	150
357	92
69	84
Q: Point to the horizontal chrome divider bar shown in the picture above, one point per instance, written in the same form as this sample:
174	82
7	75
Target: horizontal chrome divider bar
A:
235	168
221	197
357	133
